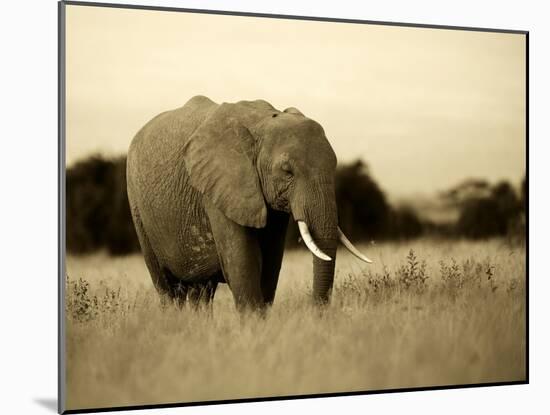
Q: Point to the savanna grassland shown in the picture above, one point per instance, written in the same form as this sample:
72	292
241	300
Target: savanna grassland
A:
425	313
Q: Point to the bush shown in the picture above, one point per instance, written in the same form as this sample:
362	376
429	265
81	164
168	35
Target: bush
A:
413	273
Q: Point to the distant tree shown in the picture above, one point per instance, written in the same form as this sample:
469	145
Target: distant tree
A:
86	191
478	219
405	224
467	191
98	213
492	214
508	203
97	210
363	210
120	234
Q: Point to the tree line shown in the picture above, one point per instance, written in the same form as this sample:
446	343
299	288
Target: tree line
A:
98	215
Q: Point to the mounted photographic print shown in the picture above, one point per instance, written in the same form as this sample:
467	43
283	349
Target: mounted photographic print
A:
259	207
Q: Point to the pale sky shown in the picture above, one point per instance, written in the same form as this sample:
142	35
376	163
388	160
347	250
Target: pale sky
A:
425	108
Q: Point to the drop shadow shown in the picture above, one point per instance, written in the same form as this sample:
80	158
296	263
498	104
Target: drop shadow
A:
48	403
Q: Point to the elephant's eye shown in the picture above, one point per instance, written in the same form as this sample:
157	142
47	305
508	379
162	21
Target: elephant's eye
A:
287	168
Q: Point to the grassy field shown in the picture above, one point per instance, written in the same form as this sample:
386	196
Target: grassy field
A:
426	313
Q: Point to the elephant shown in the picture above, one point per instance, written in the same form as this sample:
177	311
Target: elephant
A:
211	189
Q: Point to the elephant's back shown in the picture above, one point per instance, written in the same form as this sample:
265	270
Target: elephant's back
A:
159	142
156	151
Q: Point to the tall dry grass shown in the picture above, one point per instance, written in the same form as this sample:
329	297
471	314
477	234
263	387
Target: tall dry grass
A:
426	313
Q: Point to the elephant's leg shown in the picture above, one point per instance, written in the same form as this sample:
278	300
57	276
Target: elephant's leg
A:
158	274
178	289
272	244
240	259
202	294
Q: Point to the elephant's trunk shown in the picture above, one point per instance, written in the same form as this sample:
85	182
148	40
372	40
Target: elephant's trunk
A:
319	214
323	271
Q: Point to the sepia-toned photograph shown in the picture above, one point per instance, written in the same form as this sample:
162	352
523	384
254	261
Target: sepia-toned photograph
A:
265	207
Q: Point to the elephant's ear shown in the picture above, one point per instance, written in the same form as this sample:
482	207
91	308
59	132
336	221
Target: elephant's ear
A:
292	110
219	159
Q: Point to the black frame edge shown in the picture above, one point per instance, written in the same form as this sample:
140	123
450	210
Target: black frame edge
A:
527	206
289	17
291	397
61	375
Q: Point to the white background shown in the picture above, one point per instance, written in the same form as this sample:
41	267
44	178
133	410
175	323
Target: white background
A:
28	204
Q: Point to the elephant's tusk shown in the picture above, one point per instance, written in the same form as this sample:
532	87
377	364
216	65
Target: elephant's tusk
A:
351	248
310	243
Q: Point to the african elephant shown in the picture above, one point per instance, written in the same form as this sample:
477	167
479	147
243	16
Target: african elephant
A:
211	189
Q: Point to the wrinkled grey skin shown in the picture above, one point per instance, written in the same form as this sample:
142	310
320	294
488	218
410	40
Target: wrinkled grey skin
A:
211	189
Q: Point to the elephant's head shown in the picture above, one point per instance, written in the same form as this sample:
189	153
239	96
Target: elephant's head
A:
249	156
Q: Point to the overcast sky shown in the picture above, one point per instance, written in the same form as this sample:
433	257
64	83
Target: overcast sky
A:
425	108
